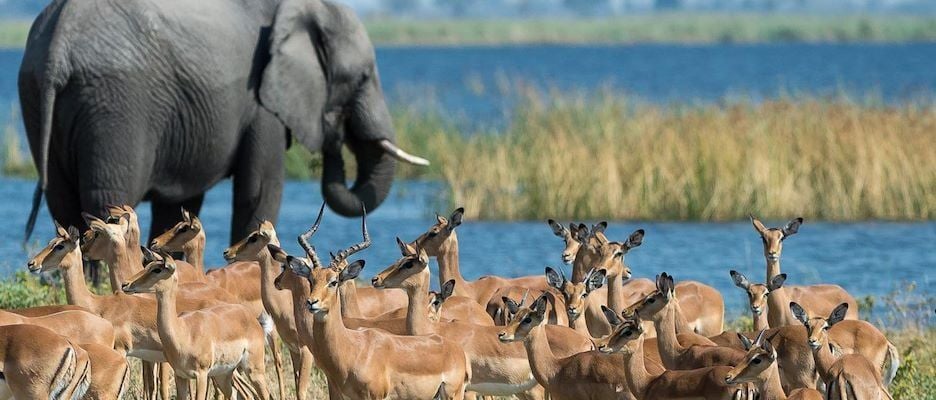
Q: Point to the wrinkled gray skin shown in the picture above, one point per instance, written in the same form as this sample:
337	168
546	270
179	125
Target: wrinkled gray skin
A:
131	100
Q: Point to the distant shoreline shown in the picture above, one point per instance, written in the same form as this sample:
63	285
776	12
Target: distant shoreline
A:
674	28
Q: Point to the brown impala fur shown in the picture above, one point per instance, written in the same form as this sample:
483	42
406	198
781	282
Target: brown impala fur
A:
95	335
585	375
204	344
441	241
661	306
38	364
39	311
497	369
369	363
696	384
760	368
704	307
850	376
444	306
124	219
259	248
133	317
817	299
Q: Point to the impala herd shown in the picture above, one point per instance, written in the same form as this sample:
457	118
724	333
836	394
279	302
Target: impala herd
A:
596	333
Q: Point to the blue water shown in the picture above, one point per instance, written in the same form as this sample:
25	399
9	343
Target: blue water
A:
478	84
865	258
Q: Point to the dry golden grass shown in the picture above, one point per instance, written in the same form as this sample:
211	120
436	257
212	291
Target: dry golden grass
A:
608	157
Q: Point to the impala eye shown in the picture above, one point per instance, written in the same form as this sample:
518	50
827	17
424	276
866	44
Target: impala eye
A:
407	265
651	300
253	239
756	361
333	283
59	247
527	320
157	270
183	229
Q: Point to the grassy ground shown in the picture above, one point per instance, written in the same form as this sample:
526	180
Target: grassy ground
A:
905	316
606	156
650	28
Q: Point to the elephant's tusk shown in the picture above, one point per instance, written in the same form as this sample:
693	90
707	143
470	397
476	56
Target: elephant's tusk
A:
401	155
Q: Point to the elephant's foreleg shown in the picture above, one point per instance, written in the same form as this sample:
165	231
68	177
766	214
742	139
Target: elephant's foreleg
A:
258	176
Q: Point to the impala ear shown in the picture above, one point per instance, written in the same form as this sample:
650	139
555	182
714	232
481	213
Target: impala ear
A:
595	280
838	314
298	267
539	306
73	234
351	271
740	280
611	316
599	227
148	255
758	226
792	227
554	279
186	216
776	282
745	341
404	248
277	253
456	219
512	306
759	339
447	289
557	228
635	239
798	312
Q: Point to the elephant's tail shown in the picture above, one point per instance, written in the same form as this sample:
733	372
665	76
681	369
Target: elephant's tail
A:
46	105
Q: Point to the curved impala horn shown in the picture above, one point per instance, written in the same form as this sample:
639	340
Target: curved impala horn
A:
304	239
401	155
344	254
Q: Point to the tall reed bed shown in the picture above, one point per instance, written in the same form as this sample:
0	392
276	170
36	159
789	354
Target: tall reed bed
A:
565	156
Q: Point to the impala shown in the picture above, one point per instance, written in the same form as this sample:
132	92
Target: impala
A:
704	383
367	363
444	306
663	308
817	299
760	368
513	297
133	317
255	249
441	241
585	375
704	306
497	369
208	343
575	295
850	376
38	364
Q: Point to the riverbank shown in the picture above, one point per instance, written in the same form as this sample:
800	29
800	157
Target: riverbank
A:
647	28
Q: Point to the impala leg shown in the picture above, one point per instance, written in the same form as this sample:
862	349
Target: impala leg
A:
536	393
165	376
201	385
304	373
182	388
225	385
149	380
276	350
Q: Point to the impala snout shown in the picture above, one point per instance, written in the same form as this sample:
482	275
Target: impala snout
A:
757	310
814	344
773	255
377	282
605	349
504	337
313	306
573	312
729	379
33	266
567	258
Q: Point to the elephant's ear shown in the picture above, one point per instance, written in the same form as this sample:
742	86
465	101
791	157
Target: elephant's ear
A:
294	85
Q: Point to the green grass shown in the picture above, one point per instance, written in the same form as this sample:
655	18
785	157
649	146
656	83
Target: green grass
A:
647	28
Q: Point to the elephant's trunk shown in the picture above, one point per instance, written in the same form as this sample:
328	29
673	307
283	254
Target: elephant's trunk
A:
375	168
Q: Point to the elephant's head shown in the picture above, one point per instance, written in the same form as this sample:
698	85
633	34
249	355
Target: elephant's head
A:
322	82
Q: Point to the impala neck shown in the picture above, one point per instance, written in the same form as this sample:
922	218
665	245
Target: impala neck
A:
682	325
349	302
124	263
637	376
580	325
167	318
773	269
543	363
584	259
616	299
76	288
268	272
298	287
665	323
770	386
331	335
448	265
417	295
778	309
194	251
824	359
760	321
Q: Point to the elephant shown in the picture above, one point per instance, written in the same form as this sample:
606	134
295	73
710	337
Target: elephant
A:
127	101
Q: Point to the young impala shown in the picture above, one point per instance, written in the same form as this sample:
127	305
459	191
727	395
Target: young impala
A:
497	369
366	363
817	299
850	376
208	343
760	368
